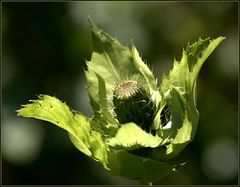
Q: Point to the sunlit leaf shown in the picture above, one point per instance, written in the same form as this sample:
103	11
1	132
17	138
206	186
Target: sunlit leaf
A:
50	109
130	137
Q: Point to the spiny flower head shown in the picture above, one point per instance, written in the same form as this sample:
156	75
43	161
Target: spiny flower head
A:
133	104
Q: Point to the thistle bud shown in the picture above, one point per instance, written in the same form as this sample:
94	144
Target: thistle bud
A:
132	104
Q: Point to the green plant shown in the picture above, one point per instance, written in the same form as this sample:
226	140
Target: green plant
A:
138	127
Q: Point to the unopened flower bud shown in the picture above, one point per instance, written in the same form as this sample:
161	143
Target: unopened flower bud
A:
133	104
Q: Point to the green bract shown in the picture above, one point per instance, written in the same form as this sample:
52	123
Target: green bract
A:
138	127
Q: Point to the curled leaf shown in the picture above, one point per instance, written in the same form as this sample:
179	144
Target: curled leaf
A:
50	109
130	137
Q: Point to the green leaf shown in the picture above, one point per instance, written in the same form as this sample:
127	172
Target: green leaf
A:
177	110
149	78
144	70
50	109
184	125
138	168
130	137
104	102
198	53
179	89
184	73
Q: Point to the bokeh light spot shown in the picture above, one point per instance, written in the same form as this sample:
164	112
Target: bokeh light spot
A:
21	141
220	161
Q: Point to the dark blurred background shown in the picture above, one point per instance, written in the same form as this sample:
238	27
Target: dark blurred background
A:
45	46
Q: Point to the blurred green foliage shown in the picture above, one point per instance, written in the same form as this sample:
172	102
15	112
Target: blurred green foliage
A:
45	46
